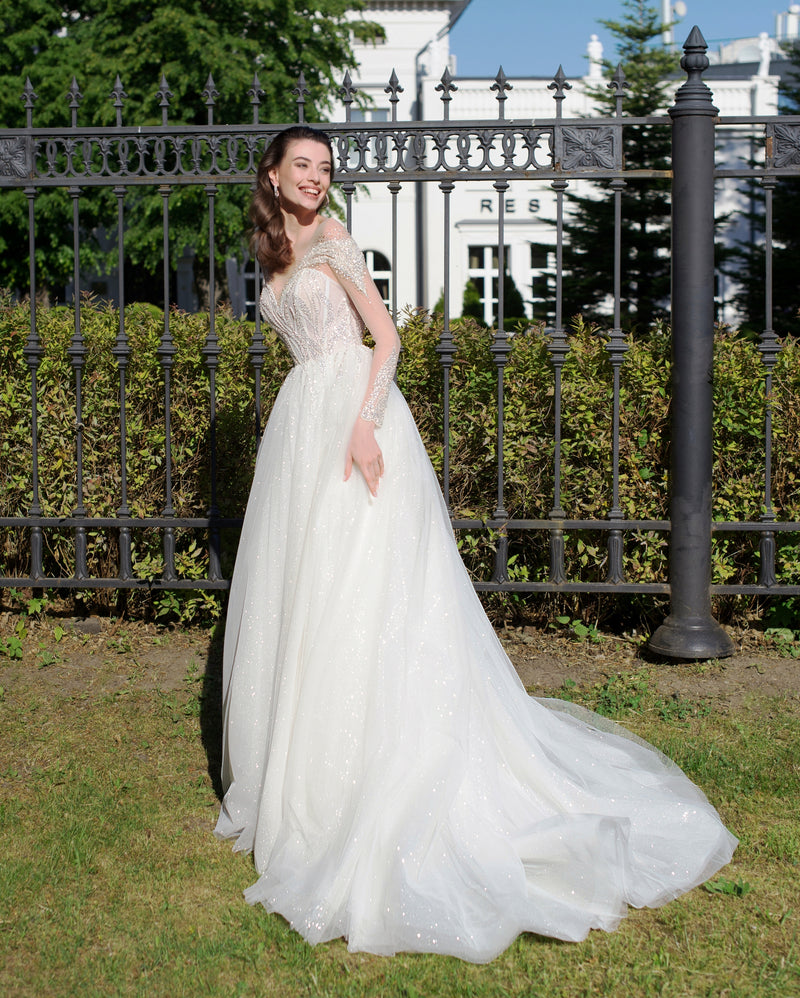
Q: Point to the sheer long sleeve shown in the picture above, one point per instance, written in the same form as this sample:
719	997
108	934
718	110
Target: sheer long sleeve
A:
347	263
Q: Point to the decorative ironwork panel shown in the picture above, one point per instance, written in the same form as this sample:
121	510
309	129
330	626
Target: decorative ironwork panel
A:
786	149
370	151
590	148
15	158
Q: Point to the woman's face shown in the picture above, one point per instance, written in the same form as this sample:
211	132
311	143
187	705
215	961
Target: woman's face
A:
303	175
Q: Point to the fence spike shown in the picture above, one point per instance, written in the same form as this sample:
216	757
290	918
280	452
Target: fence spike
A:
256	92
210	94
447	87
393	90
164	94
75	98
301	91
619	85
346	91
118	96
501	84
29	97
559	86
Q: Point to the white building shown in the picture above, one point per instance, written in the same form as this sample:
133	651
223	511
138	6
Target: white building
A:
744	78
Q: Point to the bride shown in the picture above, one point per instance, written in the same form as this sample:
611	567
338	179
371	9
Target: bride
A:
381	759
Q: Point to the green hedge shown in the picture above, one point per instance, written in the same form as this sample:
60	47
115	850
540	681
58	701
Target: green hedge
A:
528	437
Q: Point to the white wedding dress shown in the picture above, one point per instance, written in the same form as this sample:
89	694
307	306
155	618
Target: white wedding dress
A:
381	758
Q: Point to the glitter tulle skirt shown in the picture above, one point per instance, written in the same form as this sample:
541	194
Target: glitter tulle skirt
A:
394	781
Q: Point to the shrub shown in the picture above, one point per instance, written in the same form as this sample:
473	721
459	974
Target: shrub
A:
528	436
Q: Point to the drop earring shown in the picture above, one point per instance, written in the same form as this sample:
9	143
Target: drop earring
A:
276	192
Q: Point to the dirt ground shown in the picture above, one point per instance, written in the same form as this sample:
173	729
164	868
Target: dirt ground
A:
97	655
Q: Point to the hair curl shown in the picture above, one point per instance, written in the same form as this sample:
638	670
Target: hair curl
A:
272	247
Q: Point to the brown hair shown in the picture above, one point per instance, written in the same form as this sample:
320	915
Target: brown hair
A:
272	247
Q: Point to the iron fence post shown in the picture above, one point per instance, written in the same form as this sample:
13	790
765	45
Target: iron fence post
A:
690	631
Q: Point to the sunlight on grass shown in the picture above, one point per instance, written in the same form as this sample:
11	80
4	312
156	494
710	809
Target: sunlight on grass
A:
112	884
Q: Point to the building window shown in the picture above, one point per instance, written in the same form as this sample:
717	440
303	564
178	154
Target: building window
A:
484	273
381	271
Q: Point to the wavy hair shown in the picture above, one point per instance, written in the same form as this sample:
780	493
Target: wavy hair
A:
272	247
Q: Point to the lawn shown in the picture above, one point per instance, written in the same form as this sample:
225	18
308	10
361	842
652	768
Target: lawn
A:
112	884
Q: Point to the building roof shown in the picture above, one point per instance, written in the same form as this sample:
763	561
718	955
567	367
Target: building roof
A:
747	70
456	7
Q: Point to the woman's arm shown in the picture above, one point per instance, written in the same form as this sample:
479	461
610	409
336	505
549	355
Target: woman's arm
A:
347	263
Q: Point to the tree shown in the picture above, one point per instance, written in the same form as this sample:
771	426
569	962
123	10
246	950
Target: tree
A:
749	259
588	230
513	302
472	304
186	40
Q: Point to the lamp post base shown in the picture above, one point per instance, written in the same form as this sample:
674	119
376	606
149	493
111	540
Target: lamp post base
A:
691	638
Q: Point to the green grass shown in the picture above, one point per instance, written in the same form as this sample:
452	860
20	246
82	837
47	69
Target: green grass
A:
112	884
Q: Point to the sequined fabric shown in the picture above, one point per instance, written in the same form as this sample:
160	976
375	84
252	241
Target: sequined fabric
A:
375	406
381	759
312	314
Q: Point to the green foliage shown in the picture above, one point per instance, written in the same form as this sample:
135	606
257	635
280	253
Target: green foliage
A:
586	485
579	630
733	888
588	256
513	302
624	694
471	306
786	639
140	40
145	431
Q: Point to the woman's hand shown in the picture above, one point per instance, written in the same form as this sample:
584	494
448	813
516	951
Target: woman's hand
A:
363	452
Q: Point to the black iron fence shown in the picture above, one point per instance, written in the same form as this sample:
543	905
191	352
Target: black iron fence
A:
555	152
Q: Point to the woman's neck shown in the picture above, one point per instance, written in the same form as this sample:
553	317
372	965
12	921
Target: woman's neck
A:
300	230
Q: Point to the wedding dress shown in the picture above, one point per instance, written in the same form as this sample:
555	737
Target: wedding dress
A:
381	758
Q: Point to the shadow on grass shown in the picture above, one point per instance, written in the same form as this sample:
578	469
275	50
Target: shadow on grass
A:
211	708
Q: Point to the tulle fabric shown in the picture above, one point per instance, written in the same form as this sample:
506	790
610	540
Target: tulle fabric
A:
393	779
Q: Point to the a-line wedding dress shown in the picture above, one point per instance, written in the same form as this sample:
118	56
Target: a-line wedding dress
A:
381	758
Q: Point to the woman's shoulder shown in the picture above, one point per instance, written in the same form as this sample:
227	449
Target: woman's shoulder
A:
332	229
336	247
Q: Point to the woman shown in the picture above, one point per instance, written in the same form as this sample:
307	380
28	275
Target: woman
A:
381	758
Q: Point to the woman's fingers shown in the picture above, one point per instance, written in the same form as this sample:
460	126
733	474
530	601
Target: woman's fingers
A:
364	452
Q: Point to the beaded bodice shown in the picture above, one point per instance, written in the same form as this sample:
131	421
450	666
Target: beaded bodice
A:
313	314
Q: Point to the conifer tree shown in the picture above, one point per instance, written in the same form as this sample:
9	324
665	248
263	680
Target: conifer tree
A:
472	305
589	228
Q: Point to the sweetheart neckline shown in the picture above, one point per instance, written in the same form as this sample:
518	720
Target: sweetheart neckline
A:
296	267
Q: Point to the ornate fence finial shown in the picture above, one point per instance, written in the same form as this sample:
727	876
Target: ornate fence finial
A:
346	91
118	95
210	94
619	85
75	98
393	90
559	85
694	96
256	92
301	91
447	87
501	84
29	97
164	94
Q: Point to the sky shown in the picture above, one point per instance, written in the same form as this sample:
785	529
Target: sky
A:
532	37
